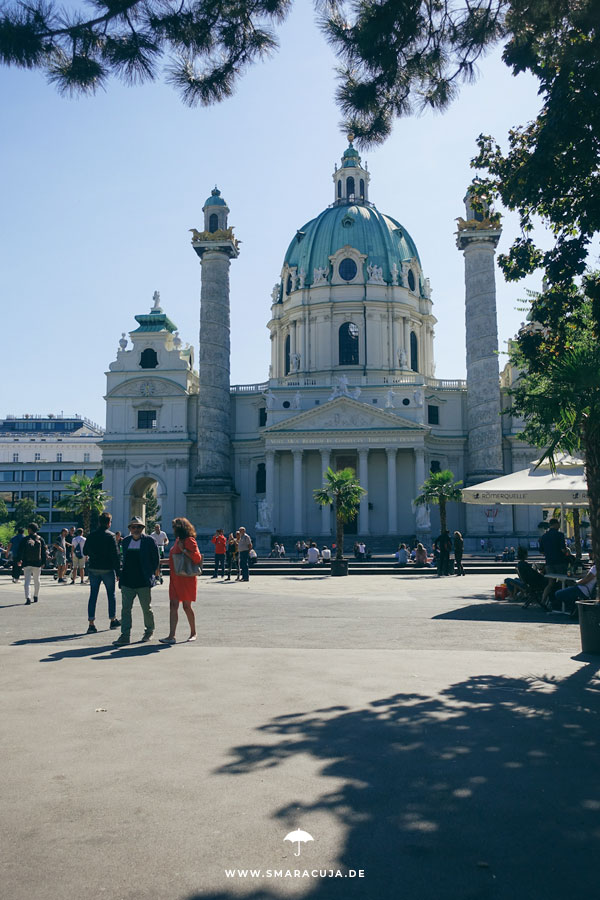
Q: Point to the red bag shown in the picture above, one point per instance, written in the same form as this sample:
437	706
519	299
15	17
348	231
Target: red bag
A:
500	592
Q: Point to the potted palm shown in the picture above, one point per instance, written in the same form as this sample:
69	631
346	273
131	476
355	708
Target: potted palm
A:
342	491
441	489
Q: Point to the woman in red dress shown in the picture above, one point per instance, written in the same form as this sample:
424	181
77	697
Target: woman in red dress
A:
182	588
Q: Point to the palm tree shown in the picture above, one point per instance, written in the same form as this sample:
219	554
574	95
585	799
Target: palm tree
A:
342	490
86	498
440	488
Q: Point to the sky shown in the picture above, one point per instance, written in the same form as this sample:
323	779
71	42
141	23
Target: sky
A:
99	194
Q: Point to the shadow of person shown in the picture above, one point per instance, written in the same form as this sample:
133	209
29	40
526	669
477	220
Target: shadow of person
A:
107	652
48	640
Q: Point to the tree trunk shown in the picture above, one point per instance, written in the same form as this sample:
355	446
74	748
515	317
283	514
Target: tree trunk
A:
442	514
577	532
339	534
591	444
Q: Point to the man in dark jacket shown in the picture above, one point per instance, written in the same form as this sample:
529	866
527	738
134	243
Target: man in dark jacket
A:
104	567
554	548
32	556
15	543
140	562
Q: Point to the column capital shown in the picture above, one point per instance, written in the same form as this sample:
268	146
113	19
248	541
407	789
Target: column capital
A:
297	453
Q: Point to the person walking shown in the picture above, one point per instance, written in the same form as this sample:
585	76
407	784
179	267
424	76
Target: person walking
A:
444	546
162	542
14	544
60	555
32	556
244	548
459	547
220	542
182	588
78	556
104	564
140	561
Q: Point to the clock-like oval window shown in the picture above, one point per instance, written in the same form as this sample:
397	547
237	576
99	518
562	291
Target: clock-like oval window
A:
348	269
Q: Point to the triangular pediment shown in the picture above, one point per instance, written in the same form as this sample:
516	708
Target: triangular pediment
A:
345	414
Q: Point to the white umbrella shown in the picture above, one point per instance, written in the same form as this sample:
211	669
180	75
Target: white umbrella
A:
535	486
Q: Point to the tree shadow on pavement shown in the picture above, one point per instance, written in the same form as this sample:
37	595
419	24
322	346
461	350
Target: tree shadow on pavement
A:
488	790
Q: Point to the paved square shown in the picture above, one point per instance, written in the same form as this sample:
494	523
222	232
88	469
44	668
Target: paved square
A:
441	743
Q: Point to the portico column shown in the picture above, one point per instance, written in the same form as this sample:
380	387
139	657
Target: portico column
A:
270	483
419	469
298	525
406	322
392	491
363	477
325	510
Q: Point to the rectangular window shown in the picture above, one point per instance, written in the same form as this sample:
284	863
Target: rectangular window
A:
146	418
37	457
28	475
9	497
9	476
433	415
63	474
15	457
86	457
262	417
44	475
57	495
43	499
59	457
435	466
90	472
28	495
62	515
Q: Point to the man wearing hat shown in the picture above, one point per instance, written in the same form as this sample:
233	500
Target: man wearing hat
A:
140	561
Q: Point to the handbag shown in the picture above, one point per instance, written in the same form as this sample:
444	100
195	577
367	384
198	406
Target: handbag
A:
182	565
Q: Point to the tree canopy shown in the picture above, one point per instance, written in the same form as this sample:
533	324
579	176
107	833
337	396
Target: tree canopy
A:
86	499
342	490
440	489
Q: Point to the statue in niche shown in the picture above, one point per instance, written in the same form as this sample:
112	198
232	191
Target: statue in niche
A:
293	279
156	299
375	274
422	517
319	275
264	514
297	401
275	293
389	399
427	289
394	274
355	393
402	358
405	271
301	278
418	398
295	362
270	398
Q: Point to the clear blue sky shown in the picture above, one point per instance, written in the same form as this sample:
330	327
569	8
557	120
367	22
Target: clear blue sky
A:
99	194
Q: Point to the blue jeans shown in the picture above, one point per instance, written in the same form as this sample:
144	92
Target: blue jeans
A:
569	596
219	564
107	578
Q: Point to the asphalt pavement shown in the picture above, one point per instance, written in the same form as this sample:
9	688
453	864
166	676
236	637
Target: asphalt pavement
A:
431	742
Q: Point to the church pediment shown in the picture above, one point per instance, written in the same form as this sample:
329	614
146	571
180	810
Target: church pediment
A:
147	387
345	414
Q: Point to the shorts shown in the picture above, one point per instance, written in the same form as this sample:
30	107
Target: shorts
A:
60	559
78	563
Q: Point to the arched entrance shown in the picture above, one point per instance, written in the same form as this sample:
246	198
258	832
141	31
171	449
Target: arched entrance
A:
145	498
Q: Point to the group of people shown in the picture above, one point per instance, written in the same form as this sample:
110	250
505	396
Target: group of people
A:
235	552
540	581
441	559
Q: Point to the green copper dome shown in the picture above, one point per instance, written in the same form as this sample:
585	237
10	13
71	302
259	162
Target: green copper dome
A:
380	238
215	199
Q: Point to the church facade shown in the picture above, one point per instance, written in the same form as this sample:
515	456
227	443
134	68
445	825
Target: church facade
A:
351	383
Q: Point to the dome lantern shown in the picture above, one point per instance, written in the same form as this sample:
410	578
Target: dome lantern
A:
351	180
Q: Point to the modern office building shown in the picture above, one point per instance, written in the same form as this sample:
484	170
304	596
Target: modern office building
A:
38	456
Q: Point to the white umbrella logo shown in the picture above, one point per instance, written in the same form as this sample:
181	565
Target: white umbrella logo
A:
299	837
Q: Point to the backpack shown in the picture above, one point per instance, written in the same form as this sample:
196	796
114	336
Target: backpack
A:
78	552
33	552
